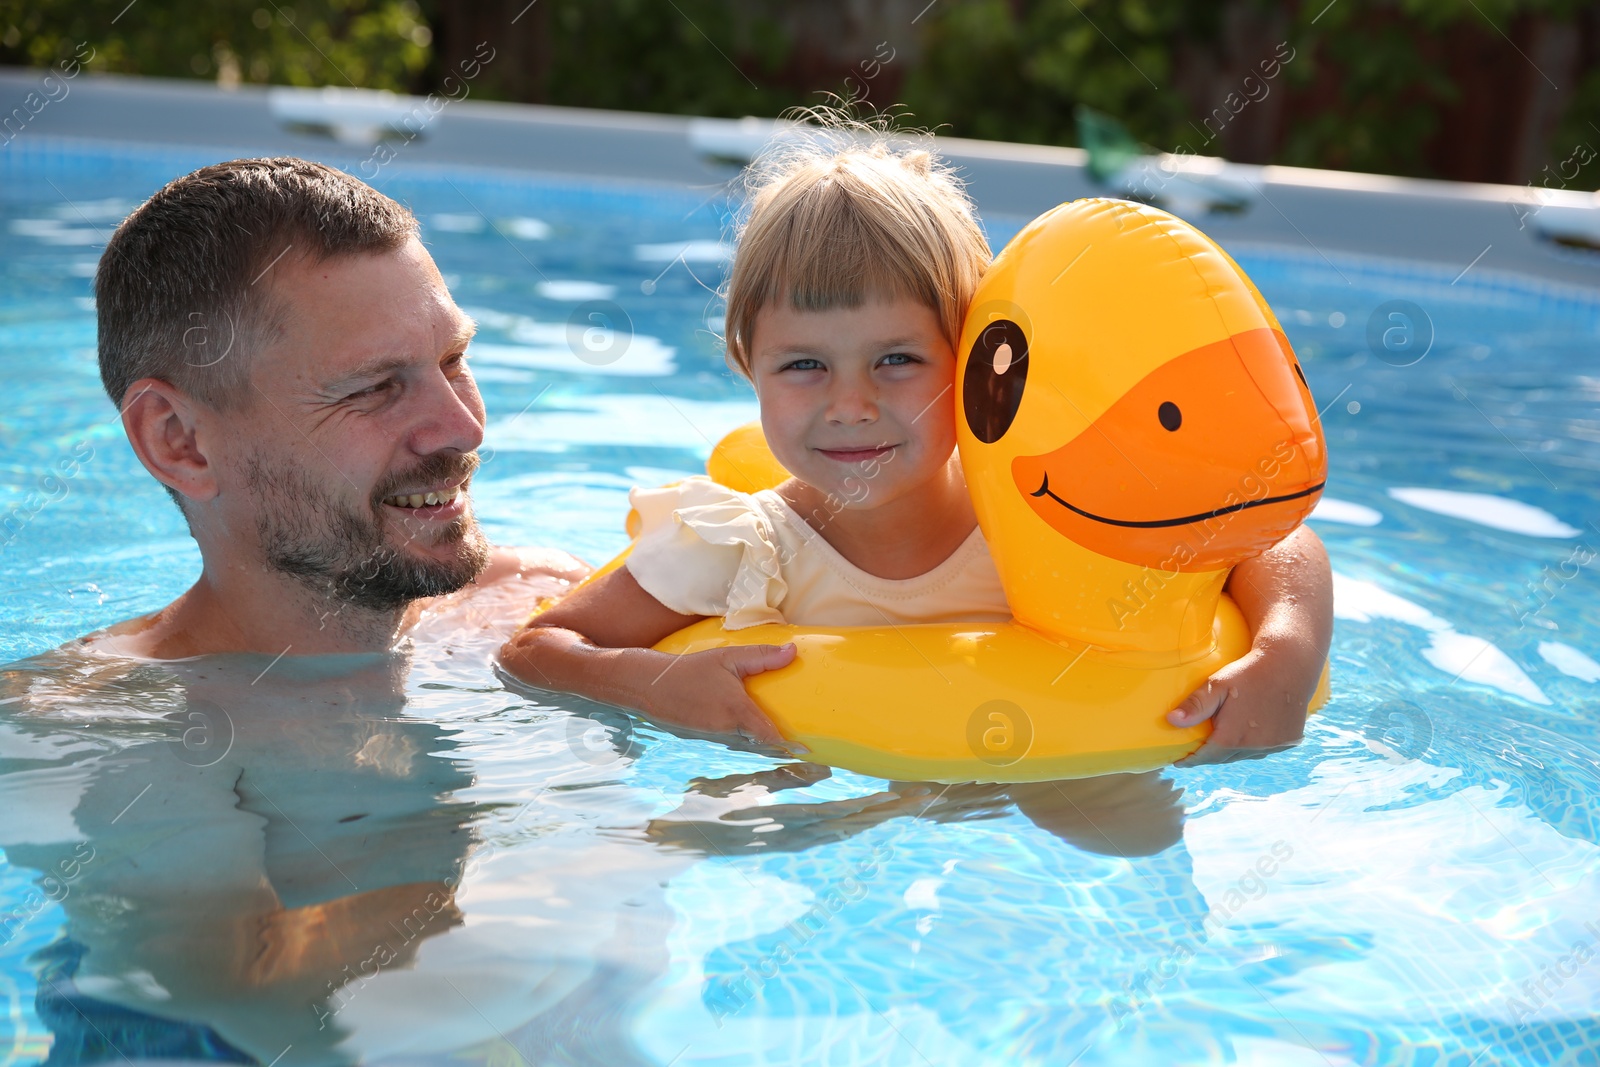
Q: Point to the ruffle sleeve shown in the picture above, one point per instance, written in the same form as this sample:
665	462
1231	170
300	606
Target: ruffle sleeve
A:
704	549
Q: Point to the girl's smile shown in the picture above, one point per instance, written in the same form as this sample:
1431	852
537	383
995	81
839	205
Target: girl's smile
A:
856	455
853	386
857	404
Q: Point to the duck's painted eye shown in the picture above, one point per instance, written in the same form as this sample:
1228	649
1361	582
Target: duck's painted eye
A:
1301	375
997	372
1171	418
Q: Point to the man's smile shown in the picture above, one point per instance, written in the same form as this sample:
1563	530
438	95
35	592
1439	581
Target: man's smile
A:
445	504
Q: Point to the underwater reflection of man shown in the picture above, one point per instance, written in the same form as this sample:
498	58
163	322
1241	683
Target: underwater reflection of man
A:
242	891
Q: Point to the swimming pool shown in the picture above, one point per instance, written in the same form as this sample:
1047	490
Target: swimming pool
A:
223	861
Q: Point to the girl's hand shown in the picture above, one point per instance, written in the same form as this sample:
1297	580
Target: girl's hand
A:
596	642
1259	701
705	691
1258	704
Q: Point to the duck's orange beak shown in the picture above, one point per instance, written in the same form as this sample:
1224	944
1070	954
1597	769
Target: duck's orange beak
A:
1211	459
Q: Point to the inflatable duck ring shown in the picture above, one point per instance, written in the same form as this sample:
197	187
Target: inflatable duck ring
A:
1132	422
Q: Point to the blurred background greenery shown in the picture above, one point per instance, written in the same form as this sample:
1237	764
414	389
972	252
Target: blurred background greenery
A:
1475	90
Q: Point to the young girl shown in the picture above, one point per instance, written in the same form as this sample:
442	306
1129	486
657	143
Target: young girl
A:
851	280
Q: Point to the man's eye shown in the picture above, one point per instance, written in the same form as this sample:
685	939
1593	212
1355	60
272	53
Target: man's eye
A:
371	390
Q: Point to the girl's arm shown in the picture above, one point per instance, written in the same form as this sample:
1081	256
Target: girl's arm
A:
1286	597
596	642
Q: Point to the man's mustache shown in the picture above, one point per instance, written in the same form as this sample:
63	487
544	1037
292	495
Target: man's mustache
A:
452	467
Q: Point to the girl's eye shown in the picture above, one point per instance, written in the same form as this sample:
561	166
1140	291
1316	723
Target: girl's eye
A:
803	364
899	359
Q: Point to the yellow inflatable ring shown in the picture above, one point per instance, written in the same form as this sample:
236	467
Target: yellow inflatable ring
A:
1132	422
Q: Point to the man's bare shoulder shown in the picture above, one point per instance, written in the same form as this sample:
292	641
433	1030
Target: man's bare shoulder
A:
532	564
78	671
183	629
515	582
512	584
141	637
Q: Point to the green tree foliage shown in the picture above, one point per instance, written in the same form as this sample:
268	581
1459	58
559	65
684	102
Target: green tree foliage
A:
379	44
1397	86
1004	71
708	57
1366	89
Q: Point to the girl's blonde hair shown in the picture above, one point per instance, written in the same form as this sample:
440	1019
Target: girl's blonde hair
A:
843	215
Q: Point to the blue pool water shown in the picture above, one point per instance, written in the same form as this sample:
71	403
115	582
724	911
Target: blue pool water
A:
364	859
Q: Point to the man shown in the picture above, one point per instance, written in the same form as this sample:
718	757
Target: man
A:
282	831
291	367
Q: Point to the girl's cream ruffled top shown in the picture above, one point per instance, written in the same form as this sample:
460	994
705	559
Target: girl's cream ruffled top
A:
705	549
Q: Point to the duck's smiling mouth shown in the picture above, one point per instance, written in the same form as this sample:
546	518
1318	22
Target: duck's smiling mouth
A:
1149	524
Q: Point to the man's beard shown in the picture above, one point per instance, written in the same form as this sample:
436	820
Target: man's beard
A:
340	551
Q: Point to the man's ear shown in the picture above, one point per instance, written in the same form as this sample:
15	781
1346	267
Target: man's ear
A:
163	426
